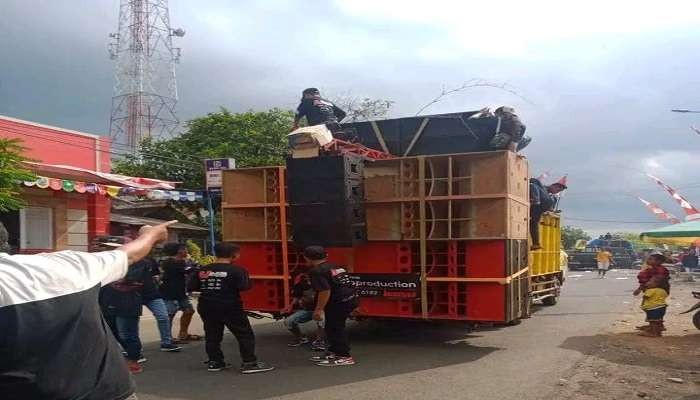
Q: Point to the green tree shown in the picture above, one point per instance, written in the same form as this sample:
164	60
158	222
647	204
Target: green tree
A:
252	138
12	172
570	235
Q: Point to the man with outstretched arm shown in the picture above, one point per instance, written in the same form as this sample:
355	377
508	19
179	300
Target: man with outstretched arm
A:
54	343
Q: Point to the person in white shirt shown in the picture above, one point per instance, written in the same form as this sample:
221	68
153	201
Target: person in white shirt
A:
54	342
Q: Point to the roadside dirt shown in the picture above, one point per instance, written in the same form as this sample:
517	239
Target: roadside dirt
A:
620	364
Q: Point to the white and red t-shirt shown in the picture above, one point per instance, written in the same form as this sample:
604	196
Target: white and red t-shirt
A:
54	343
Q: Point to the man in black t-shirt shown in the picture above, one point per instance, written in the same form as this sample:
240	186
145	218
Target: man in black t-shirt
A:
336	300
220	285
173	287
153	300
317	110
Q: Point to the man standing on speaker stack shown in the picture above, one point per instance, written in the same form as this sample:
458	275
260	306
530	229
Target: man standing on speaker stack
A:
336	300
318	110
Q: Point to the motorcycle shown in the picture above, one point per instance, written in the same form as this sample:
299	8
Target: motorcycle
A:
696	316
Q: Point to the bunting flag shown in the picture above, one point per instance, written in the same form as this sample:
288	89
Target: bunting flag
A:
542	177
659	212
67	185
689	209
563	180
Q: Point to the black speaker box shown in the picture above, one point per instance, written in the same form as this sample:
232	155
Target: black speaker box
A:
325	167
333	190
338	224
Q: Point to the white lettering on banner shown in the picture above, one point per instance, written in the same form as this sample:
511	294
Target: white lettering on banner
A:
393	285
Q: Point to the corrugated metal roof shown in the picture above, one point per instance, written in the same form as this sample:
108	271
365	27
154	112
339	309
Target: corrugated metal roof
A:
134	220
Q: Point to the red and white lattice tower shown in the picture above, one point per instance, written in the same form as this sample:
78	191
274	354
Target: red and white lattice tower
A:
145	89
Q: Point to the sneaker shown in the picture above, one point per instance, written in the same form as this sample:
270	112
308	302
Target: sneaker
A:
216	366
319	345
254	368
337	362
299	342
142	359
170	347
323	357
134	367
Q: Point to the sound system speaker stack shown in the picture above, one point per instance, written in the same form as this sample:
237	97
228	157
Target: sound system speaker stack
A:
326	201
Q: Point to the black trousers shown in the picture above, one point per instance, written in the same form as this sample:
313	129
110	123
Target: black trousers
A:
111	321
336	335
217	316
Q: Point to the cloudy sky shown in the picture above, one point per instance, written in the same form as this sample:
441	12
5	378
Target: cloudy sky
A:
600	76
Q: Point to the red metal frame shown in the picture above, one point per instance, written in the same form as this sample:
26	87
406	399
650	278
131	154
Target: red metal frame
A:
343	147
480	299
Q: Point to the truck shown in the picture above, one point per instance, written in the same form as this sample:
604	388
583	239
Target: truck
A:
426	233
624	255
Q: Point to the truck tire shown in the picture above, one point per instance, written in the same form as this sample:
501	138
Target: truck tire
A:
696	319
550	301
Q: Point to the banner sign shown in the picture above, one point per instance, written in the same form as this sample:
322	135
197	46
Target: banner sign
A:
387	285
213	171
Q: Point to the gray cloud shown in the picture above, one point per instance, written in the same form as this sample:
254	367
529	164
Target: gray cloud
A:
599	103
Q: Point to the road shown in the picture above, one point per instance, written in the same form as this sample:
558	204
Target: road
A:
407	360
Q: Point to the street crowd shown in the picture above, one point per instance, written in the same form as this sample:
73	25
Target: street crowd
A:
71	319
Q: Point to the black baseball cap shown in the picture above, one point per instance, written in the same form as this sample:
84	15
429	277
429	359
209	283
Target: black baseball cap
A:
315	253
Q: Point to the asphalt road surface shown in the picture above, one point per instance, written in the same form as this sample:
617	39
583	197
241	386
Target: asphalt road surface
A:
406	360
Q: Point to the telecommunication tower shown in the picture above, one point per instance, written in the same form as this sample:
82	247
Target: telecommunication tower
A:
145	88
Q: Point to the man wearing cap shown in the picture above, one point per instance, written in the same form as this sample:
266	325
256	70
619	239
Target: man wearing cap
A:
541	200
336	299
54	343
318	110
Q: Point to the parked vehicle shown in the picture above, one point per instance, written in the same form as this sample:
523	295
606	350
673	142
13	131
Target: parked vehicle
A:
696	308
622	250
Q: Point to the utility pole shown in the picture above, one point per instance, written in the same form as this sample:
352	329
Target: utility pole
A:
145	88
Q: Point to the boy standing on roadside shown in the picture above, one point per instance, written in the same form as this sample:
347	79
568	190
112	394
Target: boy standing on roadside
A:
220	285
654	305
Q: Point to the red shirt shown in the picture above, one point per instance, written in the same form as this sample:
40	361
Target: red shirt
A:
645	275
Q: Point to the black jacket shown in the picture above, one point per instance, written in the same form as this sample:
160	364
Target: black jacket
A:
123	298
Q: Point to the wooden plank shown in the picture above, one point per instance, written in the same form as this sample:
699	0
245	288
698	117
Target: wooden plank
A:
423	241
250	205
378	135
450	183
416	136
243	224
244	186
283	231
502	281
278	277
383	221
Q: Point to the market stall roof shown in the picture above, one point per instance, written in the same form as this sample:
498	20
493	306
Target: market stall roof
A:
140	221
682	234
86	175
